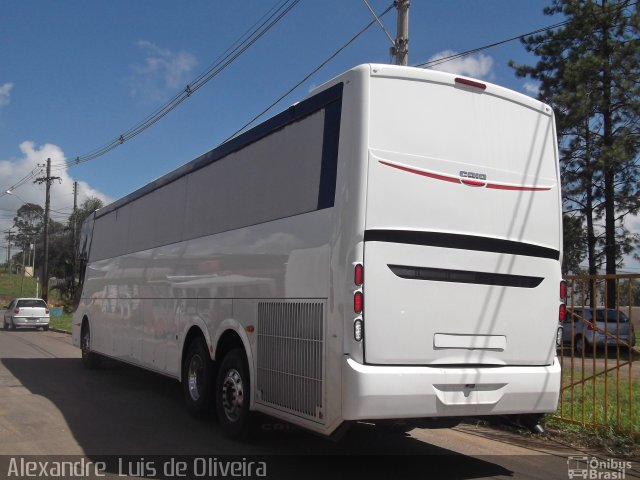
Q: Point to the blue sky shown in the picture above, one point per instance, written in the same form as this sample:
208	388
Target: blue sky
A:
76	74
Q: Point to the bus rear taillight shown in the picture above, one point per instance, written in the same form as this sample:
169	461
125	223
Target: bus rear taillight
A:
358	302
358	276
563	290
562	313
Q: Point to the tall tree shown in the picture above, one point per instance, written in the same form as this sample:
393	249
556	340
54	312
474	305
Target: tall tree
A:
573	242
28	222
589	71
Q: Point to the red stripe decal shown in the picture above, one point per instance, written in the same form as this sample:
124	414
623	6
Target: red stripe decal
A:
496	186
424	174
465	181
472	183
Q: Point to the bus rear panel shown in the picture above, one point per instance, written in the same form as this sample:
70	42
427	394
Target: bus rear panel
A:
461	253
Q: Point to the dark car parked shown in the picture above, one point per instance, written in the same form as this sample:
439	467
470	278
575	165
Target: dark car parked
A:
609	326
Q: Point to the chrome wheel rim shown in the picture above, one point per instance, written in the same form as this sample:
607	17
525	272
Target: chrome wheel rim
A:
195	376
232	395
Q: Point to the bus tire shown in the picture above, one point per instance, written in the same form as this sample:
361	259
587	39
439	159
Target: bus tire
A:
233	395
198	378
90	359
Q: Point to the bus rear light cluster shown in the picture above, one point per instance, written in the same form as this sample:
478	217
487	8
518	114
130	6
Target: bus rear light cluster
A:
562	312
358	302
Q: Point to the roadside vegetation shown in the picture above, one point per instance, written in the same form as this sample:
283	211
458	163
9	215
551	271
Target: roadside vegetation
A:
62	323
14	285
612	441
601	411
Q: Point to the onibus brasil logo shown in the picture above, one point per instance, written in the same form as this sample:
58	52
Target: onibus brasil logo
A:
595	468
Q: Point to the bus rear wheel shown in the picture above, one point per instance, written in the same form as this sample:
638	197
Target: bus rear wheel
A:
198	378
233	395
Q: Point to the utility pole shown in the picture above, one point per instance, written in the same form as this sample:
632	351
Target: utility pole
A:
400	49
9	251
75	237
22	281
45	268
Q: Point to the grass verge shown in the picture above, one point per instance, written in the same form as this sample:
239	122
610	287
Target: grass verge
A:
611	441
12	286
61	323
600	412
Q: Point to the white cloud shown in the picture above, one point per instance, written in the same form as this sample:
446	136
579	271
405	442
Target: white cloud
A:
5	94
14	170
162	70
478	66
532	88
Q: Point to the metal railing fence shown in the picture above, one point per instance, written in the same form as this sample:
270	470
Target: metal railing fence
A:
600	387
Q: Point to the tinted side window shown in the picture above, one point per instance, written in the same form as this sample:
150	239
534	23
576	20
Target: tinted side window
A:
613	316
82	256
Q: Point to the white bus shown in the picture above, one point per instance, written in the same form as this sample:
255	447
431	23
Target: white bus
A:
388	248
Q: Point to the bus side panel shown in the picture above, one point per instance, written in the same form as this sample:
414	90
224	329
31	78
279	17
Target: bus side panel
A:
251	231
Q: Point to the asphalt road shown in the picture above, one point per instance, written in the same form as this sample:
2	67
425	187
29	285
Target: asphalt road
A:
51	405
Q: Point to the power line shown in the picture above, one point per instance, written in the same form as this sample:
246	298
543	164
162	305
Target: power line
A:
24	180
273	16
393	42
448	58
252	35
310	74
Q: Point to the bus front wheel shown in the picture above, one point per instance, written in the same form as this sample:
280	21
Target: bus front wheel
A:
233	395
89	359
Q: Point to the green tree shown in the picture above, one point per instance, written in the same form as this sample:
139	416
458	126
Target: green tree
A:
589	71
573	244
28	222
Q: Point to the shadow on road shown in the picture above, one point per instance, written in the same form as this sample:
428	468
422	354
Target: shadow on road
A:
122	410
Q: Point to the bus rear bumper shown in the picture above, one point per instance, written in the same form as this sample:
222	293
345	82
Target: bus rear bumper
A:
383	392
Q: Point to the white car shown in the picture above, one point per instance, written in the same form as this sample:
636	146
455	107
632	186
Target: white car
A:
26	312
